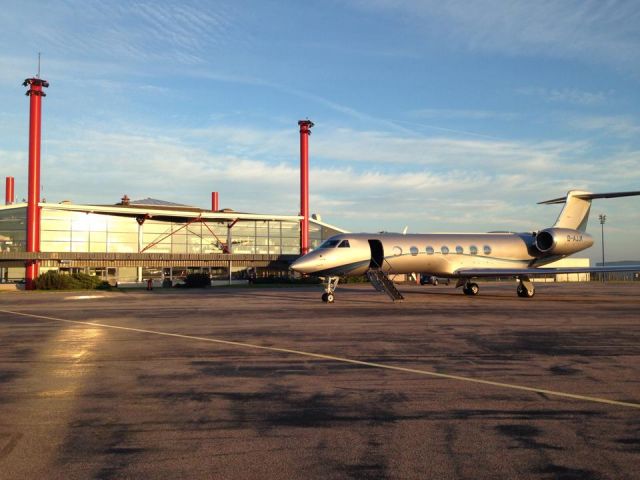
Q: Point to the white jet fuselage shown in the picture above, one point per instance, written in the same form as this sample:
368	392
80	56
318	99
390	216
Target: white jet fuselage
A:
437	254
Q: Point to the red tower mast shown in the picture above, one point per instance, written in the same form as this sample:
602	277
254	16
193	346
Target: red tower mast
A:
35	93
305	131
9	197
215	206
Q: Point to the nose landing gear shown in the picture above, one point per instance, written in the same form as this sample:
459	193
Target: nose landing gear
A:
330	285
328	297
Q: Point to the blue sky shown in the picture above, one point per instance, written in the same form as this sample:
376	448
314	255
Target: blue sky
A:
443	116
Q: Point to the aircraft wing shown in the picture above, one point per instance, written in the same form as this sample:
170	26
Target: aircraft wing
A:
532	272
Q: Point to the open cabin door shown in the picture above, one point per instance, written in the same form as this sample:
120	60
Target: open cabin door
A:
377	254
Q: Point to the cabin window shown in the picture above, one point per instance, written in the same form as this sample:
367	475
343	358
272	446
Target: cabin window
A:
473	250
444	250
487	250
344	244
414	251
459	250
330	244
429	250
397	251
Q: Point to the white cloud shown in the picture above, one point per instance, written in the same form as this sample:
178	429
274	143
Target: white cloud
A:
617	125
567	95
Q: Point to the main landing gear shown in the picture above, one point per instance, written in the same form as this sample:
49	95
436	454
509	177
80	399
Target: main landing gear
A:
525	288
330	284
470	288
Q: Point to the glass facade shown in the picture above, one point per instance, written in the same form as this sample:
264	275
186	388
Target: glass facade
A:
318	234
13	230
69	231
66	231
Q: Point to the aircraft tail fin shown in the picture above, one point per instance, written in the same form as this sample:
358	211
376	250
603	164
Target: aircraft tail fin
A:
575	213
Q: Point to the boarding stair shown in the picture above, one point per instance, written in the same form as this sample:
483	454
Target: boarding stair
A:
383	284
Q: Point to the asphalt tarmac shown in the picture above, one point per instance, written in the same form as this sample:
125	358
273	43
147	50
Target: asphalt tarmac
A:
272	383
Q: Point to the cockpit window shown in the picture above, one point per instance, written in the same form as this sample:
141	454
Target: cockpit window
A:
330	244
344	244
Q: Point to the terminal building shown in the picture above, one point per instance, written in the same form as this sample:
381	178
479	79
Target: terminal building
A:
133	241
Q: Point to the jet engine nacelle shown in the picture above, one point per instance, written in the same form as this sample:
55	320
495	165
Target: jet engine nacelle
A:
562	241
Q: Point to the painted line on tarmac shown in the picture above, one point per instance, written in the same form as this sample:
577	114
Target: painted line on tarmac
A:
322	356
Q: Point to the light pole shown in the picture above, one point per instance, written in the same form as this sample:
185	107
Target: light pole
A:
603	218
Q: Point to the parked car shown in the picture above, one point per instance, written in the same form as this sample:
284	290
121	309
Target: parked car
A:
427	279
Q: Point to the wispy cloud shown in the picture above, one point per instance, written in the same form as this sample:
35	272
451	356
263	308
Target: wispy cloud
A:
449	113
567	95
624	126
144	31
391	150
587	30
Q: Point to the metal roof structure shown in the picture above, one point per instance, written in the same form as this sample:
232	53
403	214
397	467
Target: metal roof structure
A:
162	210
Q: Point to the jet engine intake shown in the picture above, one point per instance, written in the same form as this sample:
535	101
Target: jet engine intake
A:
562	241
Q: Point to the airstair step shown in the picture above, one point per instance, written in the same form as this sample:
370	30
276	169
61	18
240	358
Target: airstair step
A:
383	284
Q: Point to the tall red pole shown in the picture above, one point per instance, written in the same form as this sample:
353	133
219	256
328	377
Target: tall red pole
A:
10	197
33	197
214	202
305	131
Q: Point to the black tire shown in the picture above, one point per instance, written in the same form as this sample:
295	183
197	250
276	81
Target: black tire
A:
524	292
325	297
474	289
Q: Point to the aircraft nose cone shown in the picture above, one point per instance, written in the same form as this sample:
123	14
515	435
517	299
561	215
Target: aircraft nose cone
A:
308	263
303	265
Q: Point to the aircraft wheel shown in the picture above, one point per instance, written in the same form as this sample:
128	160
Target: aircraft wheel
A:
524	292
435	282
471	289
325	297
330	298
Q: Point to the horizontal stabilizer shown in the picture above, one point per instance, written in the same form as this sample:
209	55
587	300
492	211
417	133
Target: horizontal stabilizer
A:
532	272
591	196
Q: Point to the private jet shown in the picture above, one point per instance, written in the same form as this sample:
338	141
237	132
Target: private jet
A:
460	256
